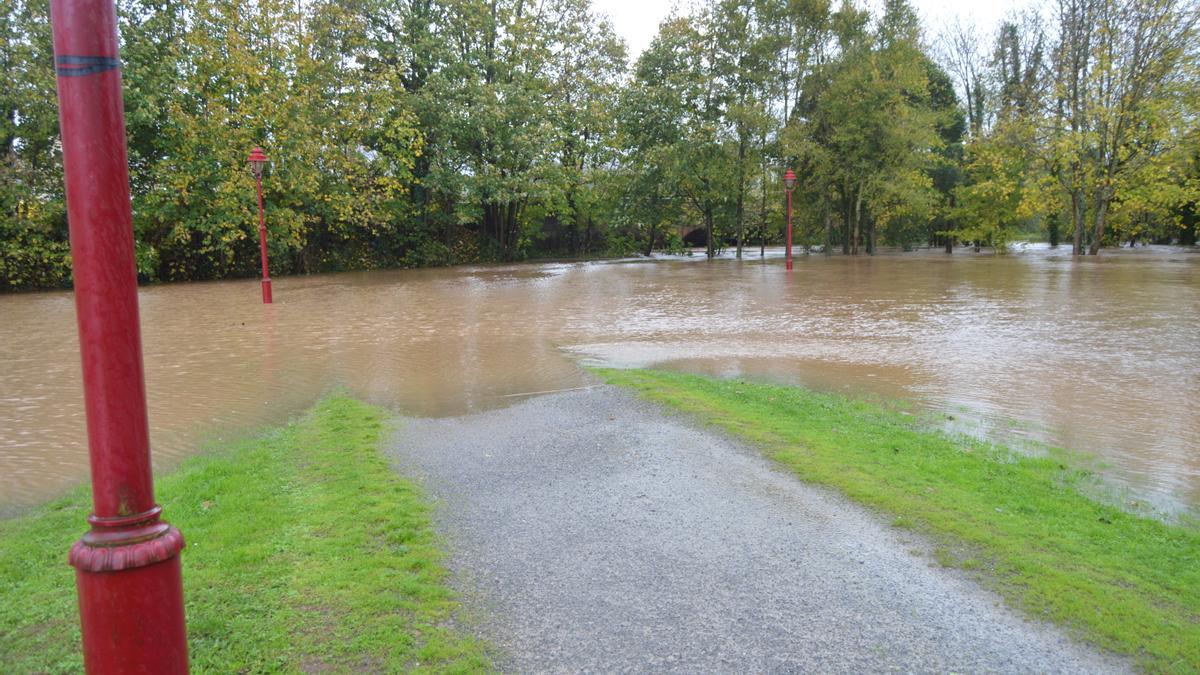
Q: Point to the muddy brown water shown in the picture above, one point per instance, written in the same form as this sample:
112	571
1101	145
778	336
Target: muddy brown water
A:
1098	355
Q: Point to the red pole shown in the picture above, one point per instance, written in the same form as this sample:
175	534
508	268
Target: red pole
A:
127	566
789	230
262	243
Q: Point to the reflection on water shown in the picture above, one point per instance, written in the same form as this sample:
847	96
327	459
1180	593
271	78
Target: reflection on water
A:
1098	355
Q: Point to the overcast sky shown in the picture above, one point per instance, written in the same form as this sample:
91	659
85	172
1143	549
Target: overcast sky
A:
637	20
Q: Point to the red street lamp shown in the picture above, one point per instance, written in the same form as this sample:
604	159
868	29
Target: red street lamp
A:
789	183
257	160
127	569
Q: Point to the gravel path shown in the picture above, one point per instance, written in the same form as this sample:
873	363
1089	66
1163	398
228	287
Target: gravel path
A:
592	532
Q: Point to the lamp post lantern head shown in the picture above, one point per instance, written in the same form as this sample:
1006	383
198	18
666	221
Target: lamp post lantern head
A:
789	180
257	160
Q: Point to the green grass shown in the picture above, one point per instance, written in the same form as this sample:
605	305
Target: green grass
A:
305	552
1127	583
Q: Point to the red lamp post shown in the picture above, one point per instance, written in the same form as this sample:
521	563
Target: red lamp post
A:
127	568
789	183
257	161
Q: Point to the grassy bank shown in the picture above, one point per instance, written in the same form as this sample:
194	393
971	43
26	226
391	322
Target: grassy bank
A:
305	552
1126	583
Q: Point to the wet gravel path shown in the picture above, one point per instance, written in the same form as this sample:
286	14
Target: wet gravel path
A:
594	532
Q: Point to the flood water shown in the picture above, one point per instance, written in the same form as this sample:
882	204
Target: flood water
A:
1099	355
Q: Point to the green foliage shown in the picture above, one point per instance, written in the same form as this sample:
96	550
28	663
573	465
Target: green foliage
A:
442	131
340	165
1127	582
305	552
1001	194
33	232
674	125
33	252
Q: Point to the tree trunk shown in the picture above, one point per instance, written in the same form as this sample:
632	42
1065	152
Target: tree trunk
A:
653	228
708	229
762	213
845	222
448	229
741	195
573	234
949	226
510	231
1077	221
490	226
1101	218
857	222
501	230
828	230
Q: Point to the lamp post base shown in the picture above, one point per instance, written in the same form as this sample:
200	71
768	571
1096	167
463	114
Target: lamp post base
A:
132	620
130	585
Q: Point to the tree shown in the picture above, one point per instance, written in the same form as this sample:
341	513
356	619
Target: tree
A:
867	126
1001	192
33	224
679	96
960	51
586	75
1143	65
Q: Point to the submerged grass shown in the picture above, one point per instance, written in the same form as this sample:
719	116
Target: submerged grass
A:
1127	583
305	553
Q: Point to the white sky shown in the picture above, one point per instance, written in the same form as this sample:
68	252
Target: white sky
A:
637	20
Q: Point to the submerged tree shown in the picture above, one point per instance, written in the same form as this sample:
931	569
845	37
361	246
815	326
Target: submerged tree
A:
1124	77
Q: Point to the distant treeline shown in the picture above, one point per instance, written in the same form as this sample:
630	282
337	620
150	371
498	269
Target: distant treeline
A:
429	132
